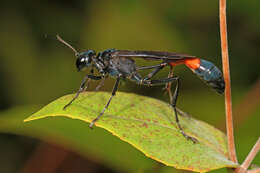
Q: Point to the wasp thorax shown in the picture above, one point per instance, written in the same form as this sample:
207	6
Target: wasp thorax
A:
84	59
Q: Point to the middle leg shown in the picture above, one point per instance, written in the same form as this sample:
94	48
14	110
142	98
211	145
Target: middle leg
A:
113	94
157	68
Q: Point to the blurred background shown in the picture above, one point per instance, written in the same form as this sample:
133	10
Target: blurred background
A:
36	69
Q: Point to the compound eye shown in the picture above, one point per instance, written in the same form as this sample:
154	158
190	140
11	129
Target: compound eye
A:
81	63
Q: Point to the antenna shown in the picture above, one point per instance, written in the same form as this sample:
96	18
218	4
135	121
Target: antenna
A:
67	44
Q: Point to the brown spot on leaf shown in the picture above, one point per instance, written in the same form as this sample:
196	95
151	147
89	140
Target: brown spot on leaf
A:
145	125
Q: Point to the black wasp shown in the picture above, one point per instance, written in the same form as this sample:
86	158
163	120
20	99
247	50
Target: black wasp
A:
120	64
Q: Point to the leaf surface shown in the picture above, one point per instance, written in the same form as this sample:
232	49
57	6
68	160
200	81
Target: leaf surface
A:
148	125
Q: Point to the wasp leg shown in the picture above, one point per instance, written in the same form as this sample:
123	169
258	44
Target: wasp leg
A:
82	87
157	69
158	81
184	114
169	85
173	104
101	83
113	94
154	72
151	67
173	101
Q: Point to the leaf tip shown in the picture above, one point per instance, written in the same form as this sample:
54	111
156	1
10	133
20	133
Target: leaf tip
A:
26	120
30	118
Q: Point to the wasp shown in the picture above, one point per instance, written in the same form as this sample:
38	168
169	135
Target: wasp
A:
120	64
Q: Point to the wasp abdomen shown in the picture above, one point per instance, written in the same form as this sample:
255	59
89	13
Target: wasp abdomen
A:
209	73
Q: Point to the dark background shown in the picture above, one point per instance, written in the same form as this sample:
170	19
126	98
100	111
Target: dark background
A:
36	69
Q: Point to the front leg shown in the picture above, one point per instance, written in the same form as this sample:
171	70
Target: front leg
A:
82	87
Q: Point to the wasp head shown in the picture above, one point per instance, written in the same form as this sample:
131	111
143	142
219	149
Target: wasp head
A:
84	59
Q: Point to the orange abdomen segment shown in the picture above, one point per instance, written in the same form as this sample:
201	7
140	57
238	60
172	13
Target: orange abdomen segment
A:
192	63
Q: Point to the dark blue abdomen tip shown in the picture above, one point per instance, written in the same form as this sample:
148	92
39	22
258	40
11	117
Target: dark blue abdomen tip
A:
210	74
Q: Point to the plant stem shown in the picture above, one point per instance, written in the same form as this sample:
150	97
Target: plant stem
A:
249	158
226	72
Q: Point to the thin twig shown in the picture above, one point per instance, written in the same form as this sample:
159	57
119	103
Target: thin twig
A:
249	158
225	61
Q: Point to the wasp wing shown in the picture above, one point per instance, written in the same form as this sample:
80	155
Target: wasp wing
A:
150	55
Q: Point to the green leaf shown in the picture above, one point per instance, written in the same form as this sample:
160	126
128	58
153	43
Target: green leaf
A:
148	125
